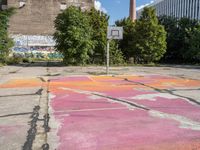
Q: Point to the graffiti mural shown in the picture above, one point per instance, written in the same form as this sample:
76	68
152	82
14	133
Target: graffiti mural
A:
33	40
34	46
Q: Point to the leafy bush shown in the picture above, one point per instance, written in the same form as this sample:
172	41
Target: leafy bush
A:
73	36
150	37
127	44
144	40
26	60
183	44
13	60
5	42
116	55
81	37
99	22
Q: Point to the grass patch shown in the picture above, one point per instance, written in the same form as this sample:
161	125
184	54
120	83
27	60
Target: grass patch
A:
45	59
13	60
1	65
96	73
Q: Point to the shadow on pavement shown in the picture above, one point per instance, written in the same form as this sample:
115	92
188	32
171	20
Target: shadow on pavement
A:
41	64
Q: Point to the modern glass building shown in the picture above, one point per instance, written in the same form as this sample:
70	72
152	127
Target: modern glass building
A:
176	8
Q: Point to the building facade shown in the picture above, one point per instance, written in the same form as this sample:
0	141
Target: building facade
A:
36	17
32	26
176	8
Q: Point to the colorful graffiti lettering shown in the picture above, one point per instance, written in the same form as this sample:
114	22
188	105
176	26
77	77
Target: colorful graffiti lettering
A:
36	52
33	40
34	46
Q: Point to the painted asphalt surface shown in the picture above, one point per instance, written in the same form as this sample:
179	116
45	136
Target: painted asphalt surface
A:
142	111
124	113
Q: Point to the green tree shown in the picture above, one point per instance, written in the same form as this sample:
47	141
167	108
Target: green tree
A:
99	22
186	27
73	36
170	23
127	44
116	55
180	35
150	37
5	42
192	55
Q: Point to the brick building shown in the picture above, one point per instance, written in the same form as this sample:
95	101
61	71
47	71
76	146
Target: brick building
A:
33	22
36	17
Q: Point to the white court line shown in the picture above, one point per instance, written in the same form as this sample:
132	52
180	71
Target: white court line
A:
97	109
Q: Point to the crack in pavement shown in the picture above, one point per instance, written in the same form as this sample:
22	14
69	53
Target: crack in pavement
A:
184	122
123	101
17	114
33	129
42	79
162	90
40	141
185	90
17	70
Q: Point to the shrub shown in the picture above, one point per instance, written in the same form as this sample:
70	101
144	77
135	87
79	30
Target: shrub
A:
73	36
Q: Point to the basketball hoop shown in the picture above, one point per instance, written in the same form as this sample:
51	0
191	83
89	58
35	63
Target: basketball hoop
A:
113	33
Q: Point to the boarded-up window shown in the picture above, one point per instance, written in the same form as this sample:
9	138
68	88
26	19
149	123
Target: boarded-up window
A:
63	6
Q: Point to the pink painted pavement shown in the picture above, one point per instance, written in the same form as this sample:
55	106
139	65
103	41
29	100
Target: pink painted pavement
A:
124	113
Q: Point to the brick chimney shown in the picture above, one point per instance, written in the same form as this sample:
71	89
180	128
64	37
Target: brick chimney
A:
132	10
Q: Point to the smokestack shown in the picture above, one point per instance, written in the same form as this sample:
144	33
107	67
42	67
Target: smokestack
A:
132	10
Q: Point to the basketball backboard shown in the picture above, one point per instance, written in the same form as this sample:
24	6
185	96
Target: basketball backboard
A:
115	33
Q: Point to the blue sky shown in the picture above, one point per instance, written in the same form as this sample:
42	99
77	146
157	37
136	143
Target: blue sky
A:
118	9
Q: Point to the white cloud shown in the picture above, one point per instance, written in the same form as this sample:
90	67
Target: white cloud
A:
142	6
98	6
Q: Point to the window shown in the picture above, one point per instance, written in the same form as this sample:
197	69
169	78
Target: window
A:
22	3
63	6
